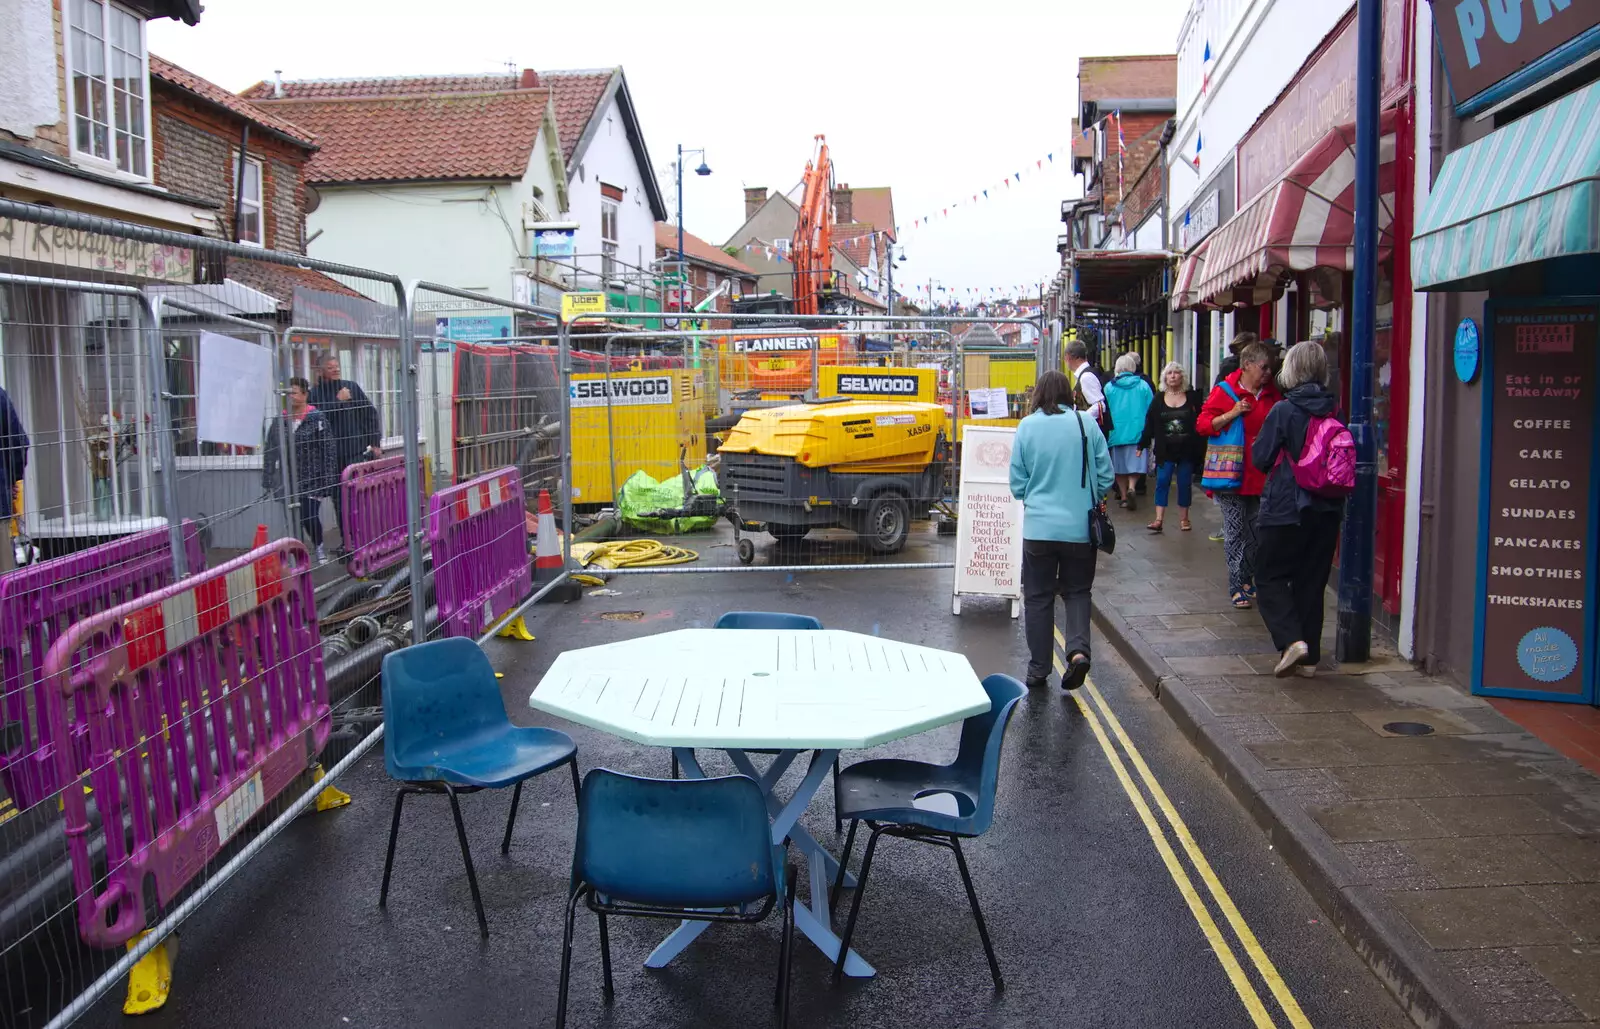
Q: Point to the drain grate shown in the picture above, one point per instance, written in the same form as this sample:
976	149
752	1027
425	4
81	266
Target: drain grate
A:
1408	728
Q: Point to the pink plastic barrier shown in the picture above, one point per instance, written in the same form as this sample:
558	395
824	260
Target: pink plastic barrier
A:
373	499
481	566
37	604
205	700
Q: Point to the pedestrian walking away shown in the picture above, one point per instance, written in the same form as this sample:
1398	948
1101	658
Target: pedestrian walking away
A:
354	420
1088	385
1179	447
1060	470
1128	397
13	462
1232	417
316	463
1298	527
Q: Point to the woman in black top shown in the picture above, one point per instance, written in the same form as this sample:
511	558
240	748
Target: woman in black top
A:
1170	428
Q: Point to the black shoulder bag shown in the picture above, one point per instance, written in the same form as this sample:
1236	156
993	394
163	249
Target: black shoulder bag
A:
1102	533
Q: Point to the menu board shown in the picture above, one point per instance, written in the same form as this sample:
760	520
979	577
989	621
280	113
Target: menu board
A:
989	529
1536	623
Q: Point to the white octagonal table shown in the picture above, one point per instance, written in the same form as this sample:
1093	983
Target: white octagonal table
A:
787	690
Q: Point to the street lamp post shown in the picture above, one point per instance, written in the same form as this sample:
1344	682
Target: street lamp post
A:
890	251
683	261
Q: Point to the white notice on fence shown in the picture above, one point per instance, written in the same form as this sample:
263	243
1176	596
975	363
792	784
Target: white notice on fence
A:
988	403
989	529
235	383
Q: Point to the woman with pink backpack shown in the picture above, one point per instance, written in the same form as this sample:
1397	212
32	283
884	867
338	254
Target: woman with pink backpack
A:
1308	457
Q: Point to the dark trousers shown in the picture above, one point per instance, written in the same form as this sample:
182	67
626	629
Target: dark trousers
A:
1292	566
338	501
1052	568
311	518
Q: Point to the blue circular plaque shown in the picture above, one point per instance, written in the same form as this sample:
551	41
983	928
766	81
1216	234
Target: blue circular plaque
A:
1467	350
1547	654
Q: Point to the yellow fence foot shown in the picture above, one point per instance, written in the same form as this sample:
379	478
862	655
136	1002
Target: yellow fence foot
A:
517	630
331	796
150	981
499	675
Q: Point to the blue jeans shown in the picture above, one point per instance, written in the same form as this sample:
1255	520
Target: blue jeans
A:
1164	482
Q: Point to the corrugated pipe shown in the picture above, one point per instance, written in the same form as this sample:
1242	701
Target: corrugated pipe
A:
349	593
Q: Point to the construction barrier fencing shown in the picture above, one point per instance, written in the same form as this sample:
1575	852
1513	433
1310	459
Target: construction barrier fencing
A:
373	502
478	535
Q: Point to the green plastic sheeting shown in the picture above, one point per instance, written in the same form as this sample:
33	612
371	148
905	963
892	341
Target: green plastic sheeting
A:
642	493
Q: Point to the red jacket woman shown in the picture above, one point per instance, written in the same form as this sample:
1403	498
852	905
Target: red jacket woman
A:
1253	386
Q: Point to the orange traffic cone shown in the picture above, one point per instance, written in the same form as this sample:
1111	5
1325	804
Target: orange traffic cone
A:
261	537
547	562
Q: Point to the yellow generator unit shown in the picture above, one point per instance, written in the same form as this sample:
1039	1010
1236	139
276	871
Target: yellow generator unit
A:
638	421
918	384
865	465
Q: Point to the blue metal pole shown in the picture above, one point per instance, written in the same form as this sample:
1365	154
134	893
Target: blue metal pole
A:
1353	639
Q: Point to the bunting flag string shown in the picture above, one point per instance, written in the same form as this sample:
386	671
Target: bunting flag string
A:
983	194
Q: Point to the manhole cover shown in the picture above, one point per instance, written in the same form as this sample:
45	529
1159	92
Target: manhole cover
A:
629	616
1408	728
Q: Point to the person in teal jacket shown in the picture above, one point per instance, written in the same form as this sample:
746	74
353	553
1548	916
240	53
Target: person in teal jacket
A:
1060	469
1128	396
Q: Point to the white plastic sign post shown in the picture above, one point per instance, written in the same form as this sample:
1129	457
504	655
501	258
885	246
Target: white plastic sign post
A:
989	523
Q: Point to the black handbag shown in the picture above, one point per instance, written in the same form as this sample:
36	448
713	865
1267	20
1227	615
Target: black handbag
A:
1102	533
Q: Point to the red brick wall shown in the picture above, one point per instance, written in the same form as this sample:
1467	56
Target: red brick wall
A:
195	152
1142	133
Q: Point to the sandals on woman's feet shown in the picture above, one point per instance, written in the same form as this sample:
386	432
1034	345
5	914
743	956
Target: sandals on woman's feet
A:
1241	600
1154	526
1185	525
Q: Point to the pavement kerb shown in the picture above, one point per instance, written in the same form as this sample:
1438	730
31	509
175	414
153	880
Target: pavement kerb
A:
1394	951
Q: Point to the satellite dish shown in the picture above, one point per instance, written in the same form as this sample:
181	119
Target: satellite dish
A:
313	198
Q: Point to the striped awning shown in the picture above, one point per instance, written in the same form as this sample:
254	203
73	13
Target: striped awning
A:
1528	191
1183	289
1304	220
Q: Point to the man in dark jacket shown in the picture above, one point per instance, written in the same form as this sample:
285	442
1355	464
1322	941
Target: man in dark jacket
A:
354	420
1230	364
1298	532
13	462
316	466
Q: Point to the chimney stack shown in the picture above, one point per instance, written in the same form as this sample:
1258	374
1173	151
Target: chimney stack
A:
277	83
843	204
530	79
754	197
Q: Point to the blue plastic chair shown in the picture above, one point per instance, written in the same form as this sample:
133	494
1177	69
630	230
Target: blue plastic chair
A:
676	848
446	731
764	620
886	793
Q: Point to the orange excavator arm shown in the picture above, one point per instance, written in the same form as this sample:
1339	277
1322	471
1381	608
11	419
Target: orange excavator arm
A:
813	238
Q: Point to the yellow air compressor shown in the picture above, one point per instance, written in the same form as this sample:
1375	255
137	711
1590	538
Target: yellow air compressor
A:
865	465
637	421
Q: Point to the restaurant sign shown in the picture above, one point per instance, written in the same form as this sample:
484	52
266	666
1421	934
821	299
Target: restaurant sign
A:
1535	617
94	251
1486	42
1319	101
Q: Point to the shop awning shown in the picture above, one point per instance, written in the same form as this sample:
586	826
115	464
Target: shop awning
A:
1189	270
1304	220
1528	191
1120	279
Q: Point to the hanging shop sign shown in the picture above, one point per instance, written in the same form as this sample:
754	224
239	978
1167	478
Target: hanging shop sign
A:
1487	43
1536	568
1467	349
555	242
575	305
1321	99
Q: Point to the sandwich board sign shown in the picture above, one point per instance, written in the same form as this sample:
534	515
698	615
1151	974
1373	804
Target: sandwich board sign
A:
989	520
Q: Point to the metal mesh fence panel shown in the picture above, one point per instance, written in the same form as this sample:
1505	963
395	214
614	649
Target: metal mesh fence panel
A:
173	441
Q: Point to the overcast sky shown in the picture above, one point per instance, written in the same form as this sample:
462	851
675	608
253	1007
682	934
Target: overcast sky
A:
939	99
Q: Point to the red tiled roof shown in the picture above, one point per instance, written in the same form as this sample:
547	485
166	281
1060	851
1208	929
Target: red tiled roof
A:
439	136
1139	77
697	249
396	85
577	94
854	240
279	280
189	82
874	205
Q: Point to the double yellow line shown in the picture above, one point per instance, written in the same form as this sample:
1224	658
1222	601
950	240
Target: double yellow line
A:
1095	709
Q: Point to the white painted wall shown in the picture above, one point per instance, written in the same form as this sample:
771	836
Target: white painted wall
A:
609	158
28	80
1257	46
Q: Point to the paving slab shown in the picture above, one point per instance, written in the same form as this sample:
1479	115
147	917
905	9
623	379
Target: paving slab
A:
1463	865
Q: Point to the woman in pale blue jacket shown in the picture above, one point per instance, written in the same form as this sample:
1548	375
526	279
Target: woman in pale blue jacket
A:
1129	398
1060	469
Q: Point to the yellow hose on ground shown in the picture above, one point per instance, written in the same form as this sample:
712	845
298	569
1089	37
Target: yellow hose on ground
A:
632	554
